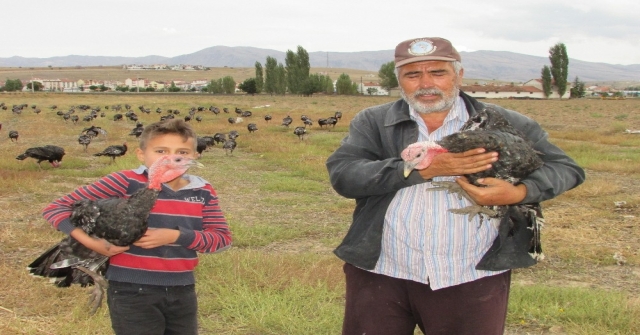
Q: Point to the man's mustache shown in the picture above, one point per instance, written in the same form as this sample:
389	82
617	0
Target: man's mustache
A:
427	91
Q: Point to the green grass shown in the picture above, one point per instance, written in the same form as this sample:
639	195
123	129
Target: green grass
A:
280	276
576	310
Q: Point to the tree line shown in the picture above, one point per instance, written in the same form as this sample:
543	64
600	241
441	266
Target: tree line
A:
294	77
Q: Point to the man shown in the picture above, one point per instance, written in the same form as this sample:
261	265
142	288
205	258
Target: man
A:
408	260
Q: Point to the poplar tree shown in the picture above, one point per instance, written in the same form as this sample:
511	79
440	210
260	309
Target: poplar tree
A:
291	66
281	80
559	67
270	80
546	81
259	78
344	84
297	66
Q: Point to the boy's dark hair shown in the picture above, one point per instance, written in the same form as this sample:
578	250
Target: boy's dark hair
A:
171	126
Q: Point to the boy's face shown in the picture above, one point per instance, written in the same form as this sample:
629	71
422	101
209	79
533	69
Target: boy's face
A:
167	144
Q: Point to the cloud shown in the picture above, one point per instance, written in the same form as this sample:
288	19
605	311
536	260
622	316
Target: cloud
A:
170	31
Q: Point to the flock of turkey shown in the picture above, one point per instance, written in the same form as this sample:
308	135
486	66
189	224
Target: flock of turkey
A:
228	141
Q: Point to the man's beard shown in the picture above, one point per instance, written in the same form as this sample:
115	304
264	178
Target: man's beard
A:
443	104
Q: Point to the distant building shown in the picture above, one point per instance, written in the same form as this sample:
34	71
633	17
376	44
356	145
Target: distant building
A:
371	88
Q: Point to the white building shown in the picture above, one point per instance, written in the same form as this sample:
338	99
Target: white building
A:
371	88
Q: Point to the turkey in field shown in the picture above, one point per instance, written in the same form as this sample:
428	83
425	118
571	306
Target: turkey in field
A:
94	131
233	135
287	121
51	153
84	140
114	151
252	127
120	221
300	131
268	118
330	121
228	146
137	131
13	135
490	130
202	144
219	137
338	115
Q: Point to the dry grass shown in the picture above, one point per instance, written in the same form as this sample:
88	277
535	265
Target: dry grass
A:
286	218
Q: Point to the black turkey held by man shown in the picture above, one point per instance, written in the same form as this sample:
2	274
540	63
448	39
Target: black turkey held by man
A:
487	129
119	221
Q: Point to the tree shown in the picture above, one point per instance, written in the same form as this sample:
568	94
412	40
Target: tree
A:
559	67
303	65
297	67
148	89
281	79
291	67
259	78
215	86
122	88
270	81
174	88
12	85
37	86
328	85
249	85
344	85
93	87
546	81
578	90
387	76
315	83
103	88
228	85
372	90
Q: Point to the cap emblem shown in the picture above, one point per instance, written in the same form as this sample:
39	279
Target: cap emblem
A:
421	47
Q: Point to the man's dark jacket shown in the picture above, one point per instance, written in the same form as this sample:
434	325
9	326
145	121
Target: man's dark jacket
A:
367	167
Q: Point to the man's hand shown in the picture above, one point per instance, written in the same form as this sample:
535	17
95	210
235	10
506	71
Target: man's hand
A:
495	191
457	164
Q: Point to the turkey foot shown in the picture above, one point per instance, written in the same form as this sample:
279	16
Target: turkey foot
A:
97	293
473	210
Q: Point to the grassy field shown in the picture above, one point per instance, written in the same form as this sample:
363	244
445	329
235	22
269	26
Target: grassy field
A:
281	277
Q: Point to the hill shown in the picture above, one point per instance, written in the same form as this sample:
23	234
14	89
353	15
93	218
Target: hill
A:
483	64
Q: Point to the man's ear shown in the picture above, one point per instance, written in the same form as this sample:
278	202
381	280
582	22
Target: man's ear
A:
460	76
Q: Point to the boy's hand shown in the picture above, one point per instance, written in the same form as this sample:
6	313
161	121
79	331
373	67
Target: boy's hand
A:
98	245
110	249
156	237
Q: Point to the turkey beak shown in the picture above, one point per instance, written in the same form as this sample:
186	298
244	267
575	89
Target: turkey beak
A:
408	167
197	164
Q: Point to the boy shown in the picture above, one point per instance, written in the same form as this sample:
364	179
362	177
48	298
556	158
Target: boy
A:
151	283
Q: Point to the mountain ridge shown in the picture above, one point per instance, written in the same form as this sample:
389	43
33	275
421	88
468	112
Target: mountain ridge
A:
482	64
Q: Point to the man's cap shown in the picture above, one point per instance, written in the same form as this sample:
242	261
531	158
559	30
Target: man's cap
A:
425	48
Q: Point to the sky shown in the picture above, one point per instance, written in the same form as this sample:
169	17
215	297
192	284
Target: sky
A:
594	31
